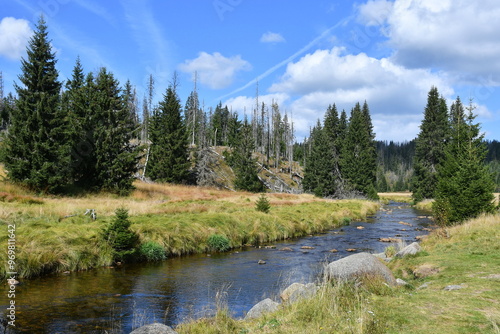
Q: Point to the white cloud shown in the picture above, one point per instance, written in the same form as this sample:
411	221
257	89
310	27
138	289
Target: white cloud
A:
374	12
460	36
246	105
396	127
272	37
215	70
14	36
392	91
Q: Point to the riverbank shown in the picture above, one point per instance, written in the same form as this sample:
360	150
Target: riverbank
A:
53	234
453	287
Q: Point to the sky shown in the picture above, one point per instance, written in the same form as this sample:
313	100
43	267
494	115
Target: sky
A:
302	55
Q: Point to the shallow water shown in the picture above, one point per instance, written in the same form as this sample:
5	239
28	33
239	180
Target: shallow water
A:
178	289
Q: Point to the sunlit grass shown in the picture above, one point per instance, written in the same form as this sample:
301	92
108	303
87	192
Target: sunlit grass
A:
54	235
466	255
404	197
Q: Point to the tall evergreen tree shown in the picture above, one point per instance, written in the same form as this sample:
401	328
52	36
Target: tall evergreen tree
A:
76	102
37	152
332	153
359	159
429	146
233	130
115	154
464	184
318	171
244	165
219	125
168	160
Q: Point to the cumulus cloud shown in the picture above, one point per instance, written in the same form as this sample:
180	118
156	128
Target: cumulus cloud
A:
329	76
459	36
215	70
374	12
272	37
396	127
246	105
14	36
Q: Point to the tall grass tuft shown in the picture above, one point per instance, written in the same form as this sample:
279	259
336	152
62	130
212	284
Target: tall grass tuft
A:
218	243
152	252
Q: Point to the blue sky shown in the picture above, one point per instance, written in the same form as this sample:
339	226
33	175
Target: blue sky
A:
304	55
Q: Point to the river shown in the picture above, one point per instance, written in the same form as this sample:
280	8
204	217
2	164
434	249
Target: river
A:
124	297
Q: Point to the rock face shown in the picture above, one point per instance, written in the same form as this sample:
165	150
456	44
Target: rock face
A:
411	249
264	306
155	328
362	264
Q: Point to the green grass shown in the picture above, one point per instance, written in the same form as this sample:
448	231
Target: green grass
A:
403	197
178	220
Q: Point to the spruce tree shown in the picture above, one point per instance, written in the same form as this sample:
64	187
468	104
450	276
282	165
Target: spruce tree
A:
359	159
75	101
429	146
464	184
244	165
115	155
318	176
37	152
168	160
332	154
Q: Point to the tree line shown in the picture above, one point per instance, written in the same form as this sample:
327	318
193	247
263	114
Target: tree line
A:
450	161
340	155
86	134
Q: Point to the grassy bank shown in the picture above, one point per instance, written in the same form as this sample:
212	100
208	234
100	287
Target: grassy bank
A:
403	197
466	255
54	235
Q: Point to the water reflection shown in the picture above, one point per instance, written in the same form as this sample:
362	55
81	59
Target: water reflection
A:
184	288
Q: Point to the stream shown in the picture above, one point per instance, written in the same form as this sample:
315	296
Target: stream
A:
122	298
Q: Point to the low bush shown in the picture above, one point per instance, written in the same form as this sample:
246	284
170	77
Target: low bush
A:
346	220
218	242
152	252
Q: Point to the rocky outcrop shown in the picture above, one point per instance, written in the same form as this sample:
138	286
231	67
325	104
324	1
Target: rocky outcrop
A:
264	306
357	266
155	328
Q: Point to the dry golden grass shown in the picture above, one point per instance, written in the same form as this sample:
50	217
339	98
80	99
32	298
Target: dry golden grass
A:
54	235
404	197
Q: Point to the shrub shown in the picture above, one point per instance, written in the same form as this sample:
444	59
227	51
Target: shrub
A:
153	252
218	242
263	204
346	220
119	236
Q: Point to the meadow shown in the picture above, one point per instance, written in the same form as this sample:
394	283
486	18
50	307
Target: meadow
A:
53	234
